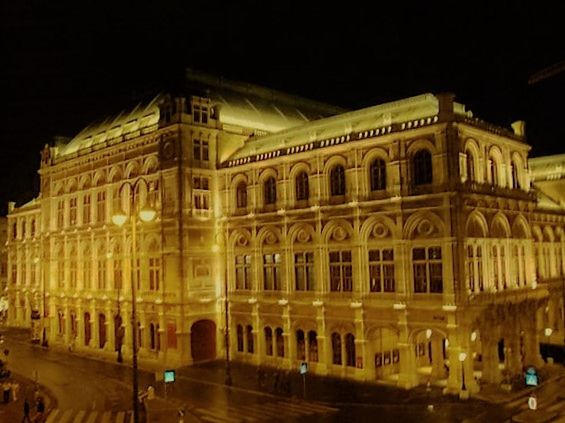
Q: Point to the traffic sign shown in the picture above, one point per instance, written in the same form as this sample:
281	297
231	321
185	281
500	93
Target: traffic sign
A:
303	368
532	378
169	376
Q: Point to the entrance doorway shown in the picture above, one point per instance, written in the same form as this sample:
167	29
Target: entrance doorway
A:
203	341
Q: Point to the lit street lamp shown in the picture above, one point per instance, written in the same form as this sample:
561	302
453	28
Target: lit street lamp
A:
146	215
462	357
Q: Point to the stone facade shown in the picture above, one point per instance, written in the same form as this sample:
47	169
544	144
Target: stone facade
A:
378	244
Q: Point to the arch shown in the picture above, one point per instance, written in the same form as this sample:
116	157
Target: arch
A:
267	173
333	161
518	166
302	233
548	235
57	189
373	332
99	178
422	171
298	168
150	165
132	169
421	144
499	226
538	235
378	227
472	151
115	174
476	225
495	166
337	230
417	331
337	180
424	224
203	340
521	228
71	185
84	182
240	238
268	235
559	233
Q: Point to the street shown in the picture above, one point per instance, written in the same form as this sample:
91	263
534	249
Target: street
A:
89	390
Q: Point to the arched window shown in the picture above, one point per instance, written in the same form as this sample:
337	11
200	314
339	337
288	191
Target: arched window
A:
61	322
378	175
302	189
470	167
280	342
270	191
268	341
239	338
152	336
154	267
241	194
249	333
514	175
493	172
337	180
336	348
350	350
300	345
422	167
313	346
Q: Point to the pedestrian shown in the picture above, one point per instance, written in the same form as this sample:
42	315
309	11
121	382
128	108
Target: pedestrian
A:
26	418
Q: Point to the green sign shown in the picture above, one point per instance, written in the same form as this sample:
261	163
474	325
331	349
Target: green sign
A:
169	376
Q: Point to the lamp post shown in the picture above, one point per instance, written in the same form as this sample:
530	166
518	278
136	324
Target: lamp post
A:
228	378
462	357
120	218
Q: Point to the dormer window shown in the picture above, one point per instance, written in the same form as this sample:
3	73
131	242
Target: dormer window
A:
200	113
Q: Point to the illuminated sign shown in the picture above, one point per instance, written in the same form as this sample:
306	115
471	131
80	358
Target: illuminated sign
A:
532	377
169	376
303	368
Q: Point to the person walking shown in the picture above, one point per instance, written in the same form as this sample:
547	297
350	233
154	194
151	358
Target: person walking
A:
26	418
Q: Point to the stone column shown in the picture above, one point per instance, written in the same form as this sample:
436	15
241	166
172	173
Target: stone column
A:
289	338
260	337
324	349
407	378
491	371
80	326
110	329
438	371
360	345
95	327
67	335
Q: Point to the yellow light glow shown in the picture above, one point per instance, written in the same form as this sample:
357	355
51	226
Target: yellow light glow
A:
119	219
147	215
428	333
462	356
474	336
548	331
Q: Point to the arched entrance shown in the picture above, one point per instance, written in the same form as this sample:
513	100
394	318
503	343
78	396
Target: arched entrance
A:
203	340
431	355
101	330
383	344
87	331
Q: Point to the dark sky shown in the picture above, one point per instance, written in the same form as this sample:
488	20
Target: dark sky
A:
63	65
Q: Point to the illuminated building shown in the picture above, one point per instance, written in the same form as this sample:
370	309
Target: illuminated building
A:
376	244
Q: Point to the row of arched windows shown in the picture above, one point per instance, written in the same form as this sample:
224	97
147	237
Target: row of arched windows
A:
421	167
495	175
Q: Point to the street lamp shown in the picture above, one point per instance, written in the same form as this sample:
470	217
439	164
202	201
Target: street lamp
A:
146	214
228	378
462	357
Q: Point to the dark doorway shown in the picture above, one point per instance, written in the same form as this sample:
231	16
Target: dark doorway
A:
203	340
101	330
87	331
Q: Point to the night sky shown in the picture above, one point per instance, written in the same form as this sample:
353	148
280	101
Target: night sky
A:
62	67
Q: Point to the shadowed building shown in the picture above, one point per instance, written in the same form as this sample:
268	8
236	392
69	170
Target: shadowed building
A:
382	244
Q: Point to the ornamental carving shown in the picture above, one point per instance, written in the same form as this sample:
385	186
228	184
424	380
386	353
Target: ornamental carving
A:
242	241
339	234
380	231
270	238
425	228
303	236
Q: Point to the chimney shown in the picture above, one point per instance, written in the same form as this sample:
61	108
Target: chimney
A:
445	106
519	128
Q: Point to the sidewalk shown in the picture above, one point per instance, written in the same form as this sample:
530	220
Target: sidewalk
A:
13	411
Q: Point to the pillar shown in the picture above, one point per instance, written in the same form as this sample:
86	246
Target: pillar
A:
324	349
361	364
491	371
438	370
407	377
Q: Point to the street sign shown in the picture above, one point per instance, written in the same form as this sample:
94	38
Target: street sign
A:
532	378
169	376
303	368
532	403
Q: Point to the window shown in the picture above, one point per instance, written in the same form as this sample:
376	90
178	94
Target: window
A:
350	350
200	150
101	206
302	189
270	191
493	172
101	272
268	341
312	346
154	341
86	269
201	193
341	271
86	209
14	273
336	348
241	195
200	114
239	338
337	181
249	333
242	270
514	175
300	345
72	211
154	272
61	322
381	270
15	230
470	167
73	269
271	272
137	272
428	271
60	273
378	175
422	167
279	338
32	228
304	271
60	213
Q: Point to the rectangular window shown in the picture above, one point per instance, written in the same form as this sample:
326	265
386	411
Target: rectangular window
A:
304	271
73	273
428	270
341	271
118	274
200	150
14	274
242	271
381	270
154	273
201	193
200	113
86	209
33	228
101	274
60	213
86	272
101	207
72	211
60	274
271	272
